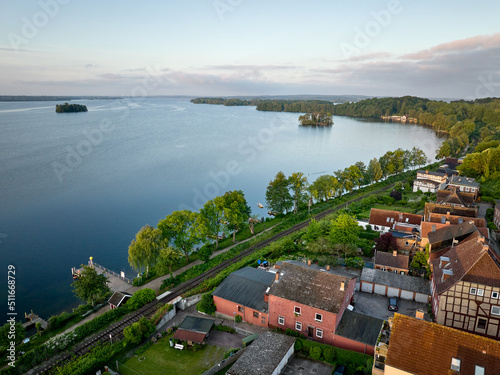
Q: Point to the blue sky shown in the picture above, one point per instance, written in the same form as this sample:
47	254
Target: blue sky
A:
240	47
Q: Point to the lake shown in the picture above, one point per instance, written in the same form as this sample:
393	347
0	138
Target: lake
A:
75	185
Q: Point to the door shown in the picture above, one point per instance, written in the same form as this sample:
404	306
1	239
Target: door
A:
392	292
379	289
406	294
310	331
366	287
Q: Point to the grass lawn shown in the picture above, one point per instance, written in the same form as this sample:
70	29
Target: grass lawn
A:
160	358
395	207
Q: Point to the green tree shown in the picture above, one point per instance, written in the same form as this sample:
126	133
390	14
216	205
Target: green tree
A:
144	249
354	176
374	171
298	184
419	260
20	333
139	330
140	298
90	286
213	212
206	304
168	257
236	211
313	231
278	197
324	187
184	229
344	231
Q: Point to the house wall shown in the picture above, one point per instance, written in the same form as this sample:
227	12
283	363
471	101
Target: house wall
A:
460	309
231	309
345	343
401	271
496	216
284	361
389	370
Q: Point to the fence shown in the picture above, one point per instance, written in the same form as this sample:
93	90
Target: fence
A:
224	363
111	272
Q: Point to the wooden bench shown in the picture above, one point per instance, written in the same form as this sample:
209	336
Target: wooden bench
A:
179	346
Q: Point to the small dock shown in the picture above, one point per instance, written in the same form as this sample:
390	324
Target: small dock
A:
117	282
32	319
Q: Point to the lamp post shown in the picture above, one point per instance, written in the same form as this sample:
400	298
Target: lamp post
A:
234	320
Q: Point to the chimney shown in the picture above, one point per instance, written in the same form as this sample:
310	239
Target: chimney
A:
419	314
394	253
277	276
342	284
309	262
266	297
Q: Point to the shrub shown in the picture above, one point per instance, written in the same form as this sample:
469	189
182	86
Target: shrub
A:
298	346
329	354
315	352
224	328
140	298
139	330
238	318
206	304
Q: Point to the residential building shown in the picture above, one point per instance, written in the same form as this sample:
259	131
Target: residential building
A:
384	220
395	285
391	262
268	355
408	241
455	197
443	209
309	301
429	181
449	235
358	332
465	184
418	347
243	293
465	287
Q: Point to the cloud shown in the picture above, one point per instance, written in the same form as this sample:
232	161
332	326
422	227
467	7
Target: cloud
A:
90	66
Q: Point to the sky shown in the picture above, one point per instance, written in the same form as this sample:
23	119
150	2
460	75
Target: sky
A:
433	49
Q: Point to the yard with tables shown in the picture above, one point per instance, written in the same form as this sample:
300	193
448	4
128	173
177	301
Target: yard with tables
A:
160	358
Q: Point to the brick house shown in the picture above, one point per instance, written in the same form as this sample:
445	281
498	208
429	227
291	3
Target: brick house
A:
243	293
455	197
418	347
309	301
443	209
449	235
391	262
465	287
428	181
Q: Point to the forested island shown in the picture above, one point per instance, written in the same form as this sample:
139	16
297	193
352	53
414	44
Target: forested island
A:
316	119
66	108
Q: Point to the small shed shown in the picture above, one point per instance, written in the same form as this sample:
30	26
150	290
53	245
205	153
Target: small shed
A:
118	299
194	330
358	332
395	285
268	355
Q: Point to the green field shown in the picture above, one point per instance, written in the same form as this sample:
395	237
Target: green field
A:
161	359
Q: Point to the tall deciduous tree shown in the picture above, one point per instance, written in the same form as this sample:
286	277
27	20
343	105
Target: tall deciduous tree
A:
236	211
167	258
386	242
184	229
374	170
298	184
324	187
213	212
144	249
344	230
278	197
90	285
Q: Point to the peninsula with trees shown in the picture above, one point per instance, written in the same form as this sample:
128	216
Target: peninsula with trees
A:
66	108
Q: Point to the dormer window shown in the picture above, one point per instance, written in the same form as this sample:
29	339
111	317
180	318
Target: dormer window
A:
479	370
494	294
455	364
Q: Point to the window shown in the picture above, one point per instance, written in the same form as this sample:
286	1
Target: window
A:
460	220
481	323
281	320
455	364
433	227
388	219
472	291
319	332
298	326
480	292
296	310
319	317
240	308
255	314
494	294
263	321
495	310
479	370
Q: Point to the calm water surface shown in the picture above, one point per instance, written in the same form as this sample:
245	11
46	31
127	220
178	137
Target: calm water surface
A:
76	185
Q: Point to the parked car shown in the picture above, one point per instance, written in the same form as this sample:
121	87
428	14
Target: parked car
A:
340	370
393	304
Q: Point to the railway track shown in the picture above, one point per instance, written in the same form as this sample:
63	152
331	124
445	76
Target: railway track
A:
116	329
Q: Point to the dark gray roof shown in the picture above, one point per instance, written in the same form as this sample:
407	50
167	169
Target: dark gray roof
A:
359	327
464	181
395	280
263	356
246	287
118	297
195	324
311	287
398	234
334	270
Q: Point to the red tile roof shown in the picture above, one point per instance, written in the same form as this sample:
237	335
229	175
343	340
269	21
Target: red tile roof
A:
423	348
184	335
379	217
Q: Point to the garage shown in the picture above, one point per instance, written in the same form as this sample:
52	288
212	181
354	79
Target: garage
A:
406	294
392	292
379	289
419	297
395	285
367	287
